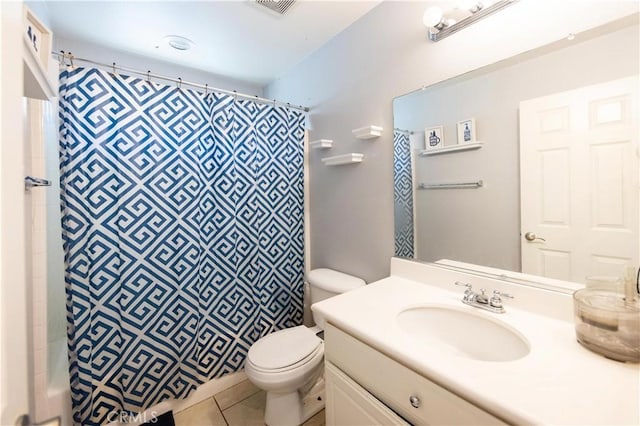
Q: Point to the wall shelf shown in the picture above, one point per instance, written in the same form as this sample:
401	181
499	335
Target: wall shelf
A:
338	160
452	148
321	144
368	132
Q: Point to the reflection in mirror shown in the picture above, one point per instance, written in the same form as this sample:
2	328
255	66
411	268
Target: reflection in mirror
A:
535	168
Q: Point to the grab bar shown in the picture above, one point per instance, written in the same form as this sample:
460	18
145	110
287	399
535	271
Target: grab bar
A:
31	182
455	185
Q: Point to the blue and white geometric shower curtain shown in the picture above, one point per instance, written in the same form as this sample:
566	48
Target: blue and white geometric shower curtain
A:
183	235
403	194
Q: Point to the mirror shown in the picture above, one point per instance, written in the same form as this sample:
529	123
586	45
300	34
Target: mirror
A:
479	205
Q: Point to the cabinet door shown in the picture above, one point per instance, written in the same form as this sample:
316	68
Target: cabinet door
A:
350	404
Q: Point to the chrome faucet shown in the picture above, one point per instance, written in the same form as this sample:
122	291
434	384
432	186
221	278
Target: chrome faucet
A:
480	300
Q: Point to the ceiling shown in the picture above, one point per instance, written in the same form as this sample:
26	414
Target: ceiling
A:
235	38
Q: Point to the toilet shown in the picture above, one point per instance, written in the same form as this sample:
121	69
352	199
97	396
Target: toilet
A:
288	364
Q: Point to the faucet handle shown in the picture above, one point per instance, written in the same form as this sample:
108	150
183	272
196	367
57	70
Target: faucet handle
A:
468	293
497	293
463	284
496	300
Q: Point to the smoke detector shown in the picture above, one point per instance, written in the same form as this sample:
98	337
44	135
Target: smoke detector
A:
178	42
278	6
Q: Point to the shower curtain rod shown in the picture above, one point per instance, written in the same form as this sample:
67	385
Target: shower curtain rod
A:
68	56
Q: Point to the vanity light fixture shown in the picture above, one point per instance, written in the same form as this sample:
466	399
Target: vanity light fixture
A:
441	25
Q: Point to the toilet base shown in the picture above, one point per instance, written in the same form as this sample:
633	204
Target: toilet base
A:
292	408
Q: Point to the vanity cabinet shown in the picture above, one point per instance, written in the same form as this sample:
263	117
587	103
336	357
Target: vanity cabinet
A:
348	403
364	386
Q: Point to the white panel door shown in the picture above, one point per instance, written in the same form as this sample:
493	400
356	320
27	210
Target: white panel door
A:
579	181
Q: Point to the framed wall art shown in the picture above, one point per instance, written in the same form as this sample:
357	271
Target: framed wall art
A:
434	137
467	131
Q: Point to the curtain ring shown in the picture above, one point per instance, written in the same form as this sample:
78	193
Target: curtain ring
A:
71	60
61	58
113	67
206	89
179	82
149	76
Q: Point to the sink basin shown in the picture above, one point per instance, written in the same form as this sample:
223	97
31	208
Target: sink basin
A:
463	333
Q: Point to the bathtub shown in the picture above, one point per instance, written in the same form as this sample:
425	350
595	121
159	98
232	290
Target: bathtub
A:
58	394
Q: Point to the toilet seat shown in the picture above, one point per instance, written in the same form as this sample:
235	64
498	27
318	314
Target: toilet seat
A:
284	350
291	367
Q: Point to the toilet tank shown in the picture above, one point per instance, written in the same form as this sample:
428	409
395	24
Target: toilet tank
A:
325	283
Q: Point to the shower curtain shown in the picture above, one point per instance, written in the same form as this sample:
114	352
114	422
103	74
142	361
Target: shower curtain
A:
403	194
182	220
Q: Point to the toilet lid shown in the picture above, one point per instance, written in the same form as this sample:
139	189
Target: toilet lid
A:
283	348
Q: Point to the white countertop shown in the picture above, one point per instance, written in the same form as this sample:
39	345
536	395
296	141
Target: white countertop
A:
558	383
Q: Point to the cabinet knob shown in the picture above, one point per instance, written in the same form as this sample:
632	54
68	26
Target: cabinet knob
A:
415	401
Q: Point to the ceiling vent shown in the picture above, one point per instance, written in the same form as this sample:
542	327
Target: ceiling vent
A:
278	6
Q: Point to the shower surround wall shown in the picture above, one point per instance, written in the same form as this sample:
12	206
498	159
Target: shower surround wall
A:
50	394
56	316
36	202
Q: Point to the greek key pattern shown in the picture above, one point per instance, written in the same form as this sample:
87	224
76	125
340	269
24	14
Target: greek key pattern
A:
182	220
403	194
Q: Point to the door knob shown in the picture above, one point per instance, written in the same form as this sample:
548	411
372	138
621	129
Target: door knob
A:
530	236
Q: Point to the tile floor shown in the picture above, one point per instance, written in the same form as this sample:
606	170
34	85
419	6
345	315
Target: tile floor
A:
240	405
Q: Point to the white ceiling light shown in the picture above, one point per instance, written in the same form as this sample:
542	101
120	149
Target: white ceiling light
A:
178	42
